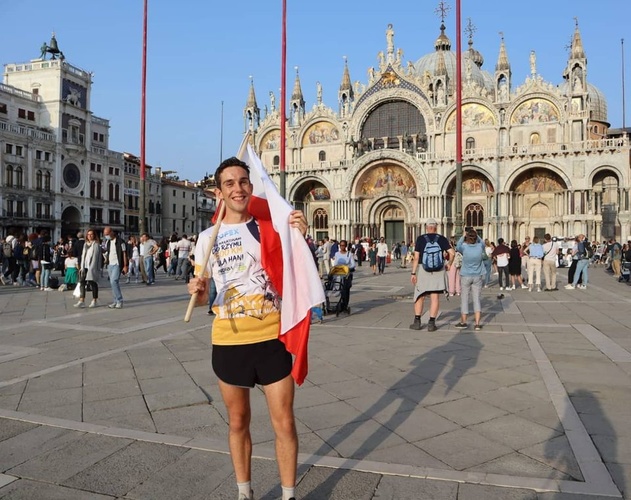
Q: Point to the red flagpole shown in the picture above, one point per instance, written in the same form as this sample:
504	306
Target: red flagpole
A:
283	91
143	112
458	222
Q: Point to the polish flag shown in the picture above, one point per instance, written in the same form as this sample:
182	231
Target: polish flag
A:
288	262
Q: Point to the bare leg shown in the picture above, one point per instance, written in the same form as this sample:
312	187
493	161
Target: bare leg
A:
237	400
418	306
280	401
434	305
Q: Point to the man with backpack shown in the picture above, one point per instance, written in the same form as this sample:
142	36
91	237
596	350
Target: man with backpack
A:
433	255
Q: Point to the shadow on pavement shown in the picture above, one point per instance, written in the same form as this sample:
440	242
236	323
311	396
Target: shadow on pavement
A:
428	366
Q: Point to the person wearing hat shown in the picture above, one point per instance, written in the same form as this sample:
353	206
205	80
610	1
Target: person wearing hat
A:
429	277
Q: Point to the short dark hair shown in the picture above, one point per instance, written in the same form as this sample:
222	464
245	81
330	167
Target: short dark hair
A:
500	241
233	161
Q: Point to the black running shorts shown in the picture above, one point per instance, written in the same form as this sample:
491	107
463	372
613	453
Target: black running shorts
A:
262	363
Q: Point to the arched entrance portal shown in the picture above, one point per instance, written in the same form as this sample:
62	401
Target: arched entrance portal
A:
313	198
393	224
70	221
536	194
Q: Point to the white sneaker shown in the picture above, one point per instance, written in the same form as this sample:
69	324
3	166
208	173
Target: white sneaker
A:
538	288
93	304
569	286
524	286
512	287
501	288
80	304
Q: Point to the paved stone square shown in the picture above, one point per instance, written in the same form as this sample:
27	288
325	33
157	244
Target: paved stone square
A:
100	403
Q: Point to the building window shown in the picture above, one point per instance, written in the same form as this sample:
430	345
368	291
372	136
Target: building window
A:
19	151
9	179
19	177
276	160
8	149
117	193
93	188
20	209
111	192
174	192
21	113
158	208
174	209
38	154
98	190
474	215
39	180
38	210
320	219
30	116
115	217
322	156
47	178
47	156
470	144
3	108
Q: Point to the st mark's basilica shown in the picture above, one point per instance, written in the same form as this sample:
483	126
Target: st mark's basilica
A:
538	157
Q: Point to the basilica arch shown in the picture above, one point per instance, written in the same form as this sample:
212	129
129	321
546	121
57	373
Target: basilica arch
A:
608	201
539	200
478	196
312	195
389	216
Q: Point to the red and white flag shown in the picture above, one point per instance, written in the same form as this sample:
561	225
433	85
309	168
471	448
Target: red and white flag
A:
288	262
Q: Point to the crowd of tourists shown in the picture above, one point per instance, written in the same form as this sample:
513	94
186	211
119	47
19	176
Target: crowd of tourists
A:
79	262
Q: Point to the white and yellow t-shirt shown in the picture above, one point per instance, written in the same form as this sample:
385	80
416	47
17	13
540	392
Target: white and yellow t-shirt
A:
247	306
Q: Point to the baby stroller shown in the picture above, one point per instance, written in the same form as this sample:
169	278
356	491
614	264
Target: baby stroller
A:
626	272
337	290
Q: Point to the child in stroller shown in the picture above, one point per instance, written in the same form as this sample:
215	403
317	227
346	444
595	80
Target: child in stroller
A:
337	290
340	280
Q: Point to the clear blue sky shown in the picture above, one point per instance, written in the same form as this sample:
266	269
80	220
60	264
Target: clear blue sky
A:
202	52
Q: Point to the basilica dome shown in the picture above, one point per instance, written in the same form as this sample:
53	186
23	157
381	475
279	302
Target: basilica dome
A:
433	62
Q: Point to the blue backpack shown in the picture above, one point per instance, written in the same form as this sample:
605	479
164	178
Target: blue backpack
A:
433	259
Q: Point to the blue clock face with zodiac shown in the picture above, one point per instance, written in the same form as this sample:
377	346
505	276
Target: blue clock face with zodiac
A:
72	175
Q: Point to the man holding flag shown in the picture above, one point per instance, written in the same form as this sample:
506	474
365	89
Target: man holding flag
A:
256	260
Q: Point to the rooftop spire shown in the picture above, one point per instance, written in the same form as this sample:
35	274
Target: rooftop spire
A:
251	96
296	95
475	55
502	60
577	43
442	42
346	84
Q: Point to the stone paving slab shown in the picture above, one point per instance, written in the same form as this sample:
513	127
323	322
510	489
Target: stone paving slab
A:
386	412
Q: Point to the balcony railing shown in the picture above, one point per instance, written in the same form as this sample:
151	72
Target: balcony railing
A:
553	149
27	131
